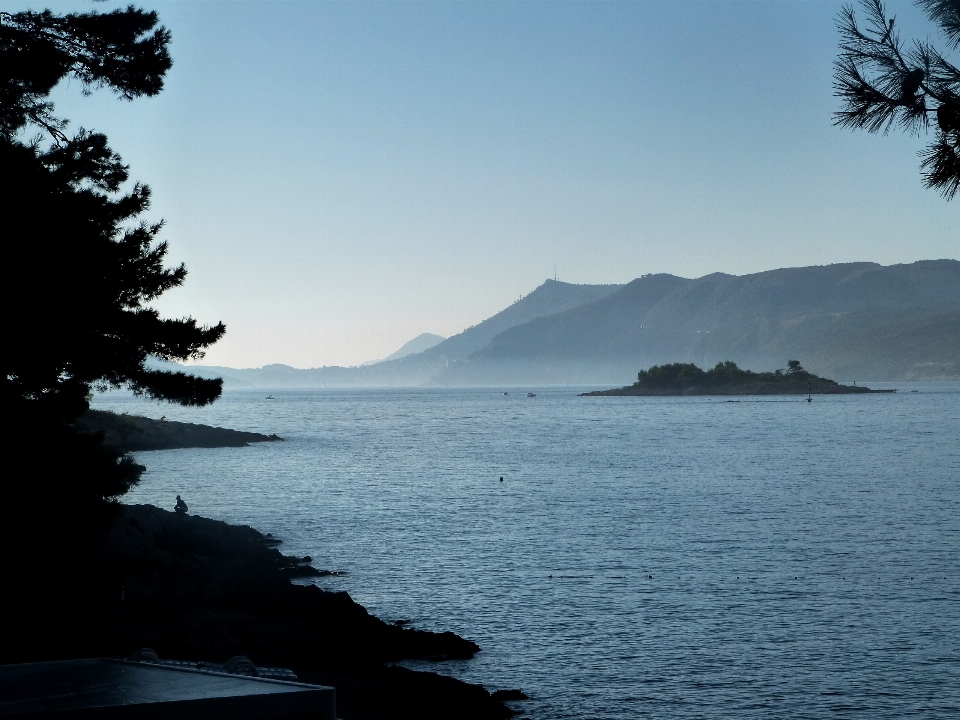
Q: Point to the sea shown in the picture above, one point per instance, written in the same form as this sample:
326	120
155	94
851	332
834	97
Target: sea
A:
694	557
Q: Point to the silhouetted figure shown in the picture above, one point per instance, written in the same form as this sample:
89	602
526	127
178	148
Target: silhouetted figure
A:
181	507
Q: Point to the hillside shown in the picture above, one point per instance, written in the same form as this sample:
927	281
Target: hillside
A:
419	344
549	299
850	320
413	369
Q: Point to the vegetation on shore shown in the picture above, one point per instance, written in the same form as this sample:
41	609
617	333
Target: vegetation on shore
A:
726	378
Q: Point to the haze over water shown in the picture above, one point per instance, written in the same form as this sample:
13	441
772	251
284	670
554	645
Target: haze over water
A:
803	556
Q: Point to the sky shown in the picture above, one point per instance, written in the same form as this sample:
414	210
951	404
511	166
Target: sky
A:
340	177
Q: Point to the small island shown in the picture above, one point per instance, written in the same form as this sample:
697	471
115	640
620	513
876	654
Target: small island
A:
726	378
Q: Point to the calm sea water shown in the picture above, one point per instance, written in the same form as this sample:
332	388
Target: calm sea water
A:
643	557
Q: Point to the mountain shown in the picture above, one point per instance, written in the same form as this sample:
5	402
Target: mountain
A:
848	320
549	299
421	342
419	368
851	321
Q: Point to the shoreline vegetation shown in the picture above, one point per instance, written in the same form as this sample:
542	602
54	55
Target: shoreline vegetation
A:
726	378
129	433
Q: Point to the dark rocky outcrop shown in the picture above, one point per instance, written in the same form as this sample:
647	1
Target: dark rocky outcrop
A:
132	433
203	590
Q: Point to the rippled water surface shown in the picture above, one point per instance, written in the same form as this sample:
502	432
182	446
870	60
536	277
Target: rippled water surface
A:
643	557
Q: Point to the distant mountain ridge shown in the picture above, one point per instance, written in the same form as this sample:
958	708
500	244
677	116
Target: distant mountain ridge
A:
549	299
419	344
756	320
421	368
846	321
422	342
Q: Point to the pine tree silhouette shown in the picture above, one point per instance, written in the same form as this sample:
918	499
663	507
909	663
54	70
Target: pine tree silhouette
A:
81	264
884	84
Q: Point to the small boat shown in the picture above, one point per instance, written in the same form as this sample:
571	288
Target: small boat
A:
506	393
269	397
531	394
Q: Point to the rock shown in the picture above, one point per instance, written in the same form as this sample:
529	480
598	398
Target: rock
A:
133	433
205	591
508	695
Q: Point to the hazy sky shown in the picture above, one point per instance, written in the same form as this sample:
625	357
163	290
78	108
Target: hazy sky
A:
342	176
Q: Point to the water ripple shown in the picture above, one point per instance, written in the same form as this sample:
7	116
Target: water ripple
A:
804	557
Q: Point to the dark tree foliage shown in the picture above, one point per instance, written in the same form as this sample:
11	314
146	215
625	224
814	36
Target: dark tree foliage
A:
884	83
81	263
726	373
670	375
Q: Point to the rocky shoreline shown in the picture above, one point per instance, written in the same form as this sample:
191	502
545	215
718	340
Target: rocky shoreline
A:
131	433
202	590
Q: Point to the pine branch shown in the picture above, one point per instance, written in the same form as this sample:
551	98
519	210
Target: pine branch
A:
946	13
941	163
882	84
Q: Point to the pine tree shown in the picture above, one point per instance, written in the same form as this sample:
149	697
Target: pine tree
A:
884	83
81	264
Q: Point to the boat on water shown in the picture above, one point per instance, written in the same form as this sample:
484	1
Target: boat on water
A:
506	393
531	394
269	397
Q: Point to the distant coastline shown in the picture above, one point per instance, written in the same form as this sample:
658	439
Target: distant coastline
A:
727	378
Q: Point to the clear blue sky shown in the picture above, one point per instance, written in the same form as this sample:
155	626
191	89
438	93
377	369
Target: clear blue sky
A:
342	176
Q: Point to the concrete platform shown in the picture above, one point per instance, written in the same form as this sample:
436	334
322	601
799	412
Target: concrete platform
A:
118	689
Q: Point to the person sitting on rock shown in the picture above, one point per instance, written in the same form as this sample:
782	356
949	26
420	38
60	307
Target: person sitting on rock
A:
181	507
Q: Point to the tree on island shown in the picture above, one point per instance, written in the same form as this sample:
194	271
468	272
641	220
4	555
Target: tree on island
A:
884	83
726	373
727	378
83	263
